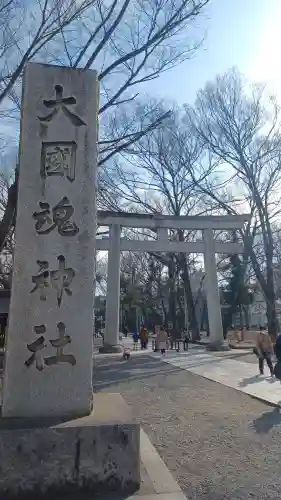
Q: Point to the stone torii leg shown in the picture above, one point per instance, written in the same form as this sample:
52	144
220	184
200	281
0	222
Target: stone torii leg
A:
111	334
213	296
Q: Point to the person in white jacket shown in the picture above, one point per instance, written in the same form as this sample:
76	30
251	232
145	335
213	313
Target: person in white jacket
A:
161	340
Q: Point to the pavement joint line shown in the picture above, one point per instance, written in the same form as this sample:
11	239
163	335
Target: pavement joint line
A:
165	486
253	396
217	378
265	401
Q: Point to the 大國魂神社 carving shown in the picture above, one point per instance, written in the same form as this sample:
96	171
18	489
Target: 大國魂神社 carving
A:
36	348
41	280
59	343
58	159
59	279
61	104
46	220
62	278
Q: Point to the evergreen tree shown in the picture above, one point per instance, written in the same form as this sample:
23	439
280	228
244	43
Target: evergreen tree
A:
236	294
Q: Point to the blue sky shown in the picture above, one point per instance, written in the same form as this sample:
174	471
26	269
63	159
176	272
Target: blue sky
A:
242	33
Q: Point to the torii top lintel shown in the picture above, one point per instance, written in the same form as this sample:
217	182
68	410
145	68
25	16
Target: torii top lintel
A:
153	221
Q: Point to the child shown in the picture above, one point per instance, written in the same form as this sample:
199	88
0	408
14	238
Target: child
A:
135	340
126	354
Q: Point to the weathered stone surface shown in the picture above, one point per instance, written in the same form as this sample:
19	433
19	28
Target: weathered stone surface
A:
93	454
58	164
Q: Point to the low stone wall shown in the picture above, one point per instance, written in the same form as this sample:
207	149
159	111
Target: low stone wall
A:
93	454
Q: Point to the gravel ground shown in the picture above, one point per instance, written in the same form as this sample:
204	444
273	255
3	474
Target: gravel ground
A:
220	444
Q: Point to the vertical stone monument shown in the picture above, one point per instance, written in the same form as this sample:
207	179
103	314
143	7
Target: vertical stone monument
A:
52	443
48	366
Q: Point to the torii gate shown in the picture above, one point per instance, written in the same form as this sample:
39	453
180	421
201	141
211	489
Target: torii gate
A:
161	223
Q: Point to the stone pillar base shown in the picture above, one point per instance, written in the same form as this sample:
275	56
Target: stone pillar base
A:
110	349
218	346
47	458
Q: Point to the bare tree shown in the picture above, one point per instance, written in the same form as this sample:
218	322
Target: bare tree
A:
26	29
158	179
129	42
241	128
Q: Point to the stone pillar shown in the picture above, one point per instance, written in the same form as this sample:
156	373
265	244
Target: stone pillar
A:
213	298
48	365
186	319
111	334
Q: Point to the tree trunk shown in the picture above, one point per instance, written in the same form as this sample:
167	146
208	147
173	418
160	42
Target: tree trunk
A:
246	316
8	219
241	319
204	317
272	322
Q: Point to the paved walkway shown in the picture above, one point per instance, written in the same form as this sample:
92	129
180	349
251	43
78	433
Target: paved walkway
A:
158	482
217	442
229	369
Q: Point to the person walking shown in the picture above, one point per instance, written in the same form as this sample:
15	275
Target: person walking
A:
186	340
135	341
143	337
264	350
161	340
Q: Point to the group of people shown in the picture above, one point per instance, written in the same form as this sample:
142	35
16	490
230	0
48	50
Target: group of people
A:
266	346
161	339
143	337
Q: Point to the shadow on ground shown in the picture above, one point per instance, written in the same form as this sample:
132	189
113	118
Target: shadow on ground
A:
110	371
113	370
250	380
267	421
257	378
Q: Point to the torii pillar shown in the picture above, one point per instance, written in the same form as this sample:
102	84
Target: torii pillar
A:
213	295
111	333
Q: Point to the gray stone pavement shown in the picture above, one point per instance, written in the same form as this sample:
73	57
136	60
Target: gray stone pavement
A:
218	442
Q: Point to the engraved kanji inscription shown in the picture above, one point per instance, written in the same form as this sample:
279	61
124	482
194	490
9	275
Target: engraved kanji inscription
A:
58	159
59	344
59	217
39	344
62	279
61	104
41	280
36	349
59	279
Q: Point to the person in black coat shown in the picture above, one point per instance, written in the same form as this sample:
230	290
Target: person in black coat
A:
277	351
277	348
